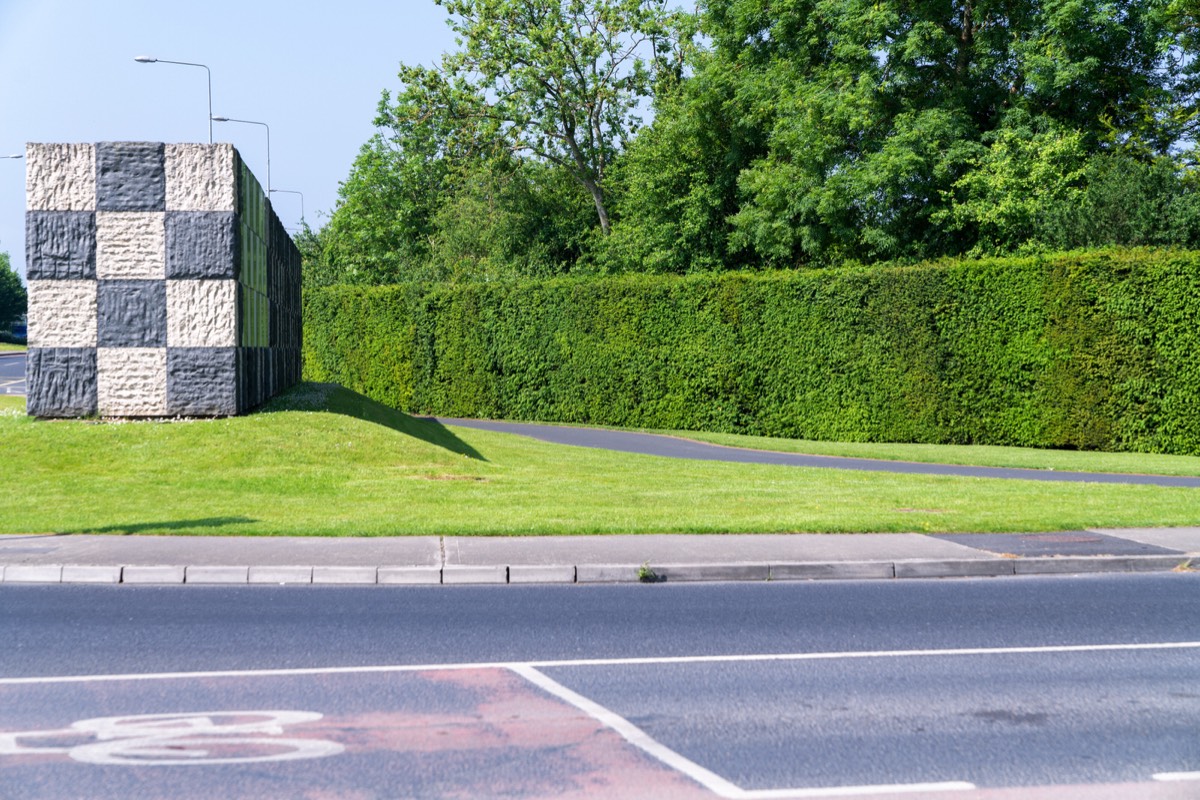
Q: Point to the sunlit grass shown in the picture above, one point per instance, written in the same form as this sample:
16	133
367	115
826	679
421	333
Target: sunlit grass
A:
325	461
973	455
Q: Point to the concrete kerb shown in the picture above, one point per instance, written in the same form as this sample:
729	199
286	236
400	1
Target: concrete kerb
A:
587	573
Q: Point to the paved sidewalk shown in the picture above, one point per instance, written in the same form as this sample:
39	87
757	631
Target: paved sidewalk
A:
78	558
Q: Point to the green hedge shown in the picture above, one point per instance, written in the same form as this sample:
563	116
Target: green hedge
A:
1097	350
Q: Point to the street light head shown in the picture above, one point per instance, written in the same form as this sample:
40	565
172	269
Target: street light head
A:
145	59
14	155
220	119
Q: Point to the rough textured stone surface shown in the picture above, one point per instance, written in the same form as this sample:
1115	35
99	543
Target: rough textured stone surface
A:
62	313
201	313
130	176
200	177
60	177
130	244
201	381
61	381
131	381
60	245
131	314
139	249
201	244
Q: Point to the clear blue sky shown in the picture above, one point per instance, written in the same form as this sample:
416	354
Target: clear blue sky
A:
313	72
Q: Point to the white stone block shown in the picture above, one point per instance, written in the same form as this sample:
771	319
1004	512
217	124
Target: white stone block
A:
33	573
536	573
131	381
79	573
280	575
131	245
344	575
215	574
201	313
152	574
475	574
60	177
200	177
62	314
410	576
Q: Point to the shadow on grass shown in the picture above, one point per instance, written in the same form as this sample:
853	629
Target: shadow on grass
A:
335	399
174	525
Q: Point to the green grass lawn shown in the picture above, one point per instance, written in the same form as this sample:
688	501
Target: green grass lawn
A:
973	455
325	461
12	348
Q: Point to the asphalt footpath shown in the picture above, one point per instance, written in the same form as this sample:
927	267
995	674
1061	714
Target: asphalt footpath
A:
650	558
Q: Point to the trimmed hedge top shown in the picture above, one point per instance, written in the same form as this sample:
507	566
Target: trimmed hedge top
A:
1095	350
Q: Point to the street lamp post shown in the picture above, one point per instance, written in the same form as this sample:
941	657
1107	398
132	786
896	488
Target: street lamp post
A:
153	60
252	122
293	191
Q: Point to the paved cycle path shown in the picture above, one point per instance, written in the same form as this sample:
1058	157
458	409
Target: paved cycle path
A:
654	444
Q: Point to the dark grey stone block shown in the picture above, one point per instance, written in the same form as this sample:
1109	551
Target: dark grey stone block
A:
202	244
131	314
202	381
60	245
61	381
130	176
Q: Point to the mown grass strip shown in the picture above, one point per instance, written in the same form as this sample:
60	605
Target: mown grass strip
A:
325	461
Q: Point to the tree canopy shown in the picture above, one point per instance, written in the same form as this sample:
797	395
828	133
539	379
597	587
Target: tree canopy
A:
784	133
12	294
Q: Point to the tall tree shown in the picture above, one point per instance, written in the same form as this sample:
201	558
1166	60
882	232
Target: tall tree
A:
855	120
558	79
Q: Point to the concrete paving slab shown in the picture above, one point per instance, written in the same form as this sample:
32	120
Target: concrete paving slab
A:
700	549
1186	540
141	573
81	573
409	576
222	574
367	575
526	573
280	575
33	573
359	551
949	568
473	574
833	570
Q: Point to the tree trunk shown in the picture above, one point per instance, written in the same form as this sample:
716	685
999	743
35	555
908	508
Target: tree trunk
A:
598	198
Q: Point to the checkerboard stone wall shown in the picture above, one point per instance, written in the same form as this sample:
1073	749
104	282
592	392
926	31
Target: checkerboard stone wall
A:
161	283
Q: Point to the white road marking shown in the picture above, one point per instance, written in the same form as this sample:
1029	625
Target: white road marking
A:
1176	776
176	739
610	662
706	778
530	670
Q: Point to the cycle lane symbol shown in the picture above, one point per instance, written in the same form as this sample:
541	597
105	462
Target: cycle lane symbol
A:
195	738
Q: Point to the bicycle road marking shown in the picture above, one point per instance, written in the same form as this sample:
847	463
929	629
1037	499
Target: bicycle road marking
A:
611	662
175	739
149	748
